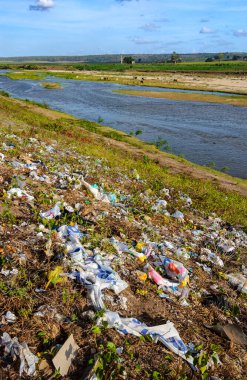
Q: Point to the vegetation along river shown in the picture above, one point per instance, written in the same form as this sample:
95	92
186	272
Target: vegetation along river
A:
204	133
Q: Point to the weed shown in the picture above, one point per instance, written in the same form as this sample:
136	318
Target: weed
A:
204	359
4	93
107	363
162	144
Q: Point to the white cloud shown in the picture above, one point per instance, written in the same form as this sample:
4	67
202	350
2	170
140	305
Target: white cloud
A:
150	27
205	30
42	5
143	41
240	33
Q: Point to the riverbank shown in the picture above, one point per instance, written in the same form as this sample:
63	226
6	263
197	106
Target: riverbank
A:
116	199
199	180
240	101
232	83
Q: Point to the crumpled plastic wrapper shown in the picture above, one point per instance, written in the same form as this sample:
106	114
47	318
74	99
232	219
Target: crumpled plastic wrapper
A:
12	347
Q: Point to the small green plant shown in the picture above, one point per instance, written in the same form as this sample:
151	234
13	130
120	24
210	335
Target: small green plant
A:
107	363
162	144
43	337
4	93
225	169
204	359
8	217
100	120
156	375
138	132
211	165
56	374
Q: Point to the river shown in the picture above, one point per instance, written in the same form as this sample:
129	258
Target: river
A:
202	132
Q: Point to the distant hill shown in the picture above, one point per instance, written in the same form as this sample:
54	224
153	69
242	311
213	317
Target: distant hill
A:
116	58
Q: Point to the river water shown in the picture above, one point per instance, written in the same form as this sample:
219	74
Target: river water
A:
202	132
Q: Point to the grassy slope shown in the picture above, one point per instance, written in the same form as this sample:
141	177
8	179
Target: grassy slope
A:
89	139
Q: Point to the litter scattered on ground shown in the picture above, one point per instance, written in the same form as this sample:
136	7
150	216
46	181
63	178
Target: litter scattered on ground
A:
91	252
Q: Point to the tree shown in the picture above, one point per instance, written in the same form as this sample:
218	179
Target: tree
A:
128	60
221	56
175	57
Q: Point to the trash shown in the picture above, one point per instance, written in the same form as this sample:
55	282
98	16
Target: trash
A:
9	317
119	350
123	248
187	200
19	193
160	205
178	215
163	283
63	359
165	296
100	196
166	334
54	276
213	258
142	276
53	213
184	303
8	272
36	177
238	280
12	347
49	311
2	156
176	270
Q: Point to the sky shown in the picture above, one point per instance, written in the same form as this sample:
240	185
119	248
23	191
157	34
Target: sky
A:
82	27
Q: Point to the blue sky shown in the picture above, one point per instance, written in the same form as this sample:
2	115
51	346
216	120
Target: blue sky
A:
79	27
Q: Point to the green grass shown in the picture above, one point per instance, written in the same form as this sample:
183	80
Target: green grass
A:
183	66
51	85
25	75
4	93
240	101
84	136
217	66
223	66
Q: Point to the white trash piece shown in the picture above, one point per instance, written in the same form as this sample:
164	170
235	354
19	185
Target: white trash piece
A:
15	349
238	280
19	193
178	215
9	317
166	334
51	214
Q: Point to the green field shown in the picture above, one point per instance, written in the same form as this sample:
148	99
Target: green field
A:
217	66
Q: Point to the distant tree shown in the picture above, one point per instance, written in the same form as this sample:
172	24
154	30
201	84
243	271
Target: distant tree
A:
175	57
236	57
128	60
210	59
221	56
